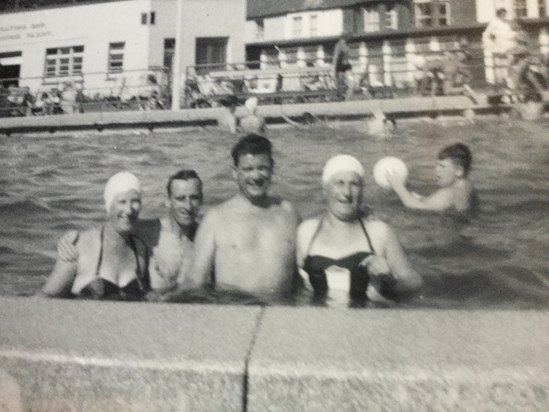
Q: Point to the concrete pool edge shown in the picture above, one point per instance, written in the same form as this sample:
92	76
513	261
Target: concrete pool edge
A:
166	357
393	108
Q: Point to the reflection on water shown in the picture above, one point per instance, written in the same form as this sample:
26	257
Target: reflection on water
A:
495	259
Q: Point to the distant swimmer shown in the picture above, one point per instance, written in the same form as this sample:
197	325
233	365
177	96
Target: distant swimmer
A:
247	243
252	122
456	192
112	260
170	239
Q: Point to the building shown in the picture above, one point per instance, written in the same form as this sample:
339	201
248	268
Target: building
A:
108	45
387	36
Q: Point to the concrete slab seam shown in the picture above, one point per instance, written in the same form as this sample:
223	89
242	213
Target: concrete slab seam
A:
249	352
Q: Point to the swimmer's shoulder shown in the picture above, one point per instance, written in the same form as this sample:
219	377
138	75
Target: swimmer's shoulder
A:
308	227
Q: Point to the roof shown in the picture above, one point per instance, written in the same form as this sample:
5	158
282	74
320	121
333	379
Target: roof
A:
263	8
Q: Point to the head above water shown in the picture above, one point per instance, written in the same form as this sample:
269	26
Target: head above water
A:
501	13
341	163
459	154
184	174
120	183
252	144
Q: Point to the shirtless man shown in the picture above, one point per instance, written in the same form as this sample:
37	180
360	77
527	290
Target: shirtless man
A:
247	243
170	238
456	190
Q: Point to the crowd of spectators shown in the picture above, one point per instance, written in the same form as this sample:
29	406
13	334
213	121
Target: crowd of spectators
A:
70	98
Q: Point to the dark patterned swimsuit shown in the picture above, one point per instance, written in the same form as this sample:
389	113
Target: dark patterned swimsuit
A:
316	265
100	288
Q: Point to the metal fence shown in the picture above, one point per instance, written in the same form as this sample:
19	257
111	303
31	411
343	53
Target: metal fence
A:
454	71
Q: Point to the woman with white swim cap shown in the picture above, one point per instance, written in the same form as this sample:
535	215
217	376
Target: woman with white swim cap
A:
346	255
112	261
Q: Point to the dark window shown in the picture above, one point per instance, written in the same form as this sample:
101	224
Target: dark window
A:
169	52
143	18
64	61
211	51
116	57
153	17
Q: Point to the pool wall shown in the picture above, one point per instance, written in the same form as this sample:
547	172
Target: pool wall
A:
58	355
394	108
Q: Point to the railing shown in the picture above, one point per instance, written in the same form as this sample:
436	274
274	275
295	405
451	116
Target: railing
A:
146	89
379	76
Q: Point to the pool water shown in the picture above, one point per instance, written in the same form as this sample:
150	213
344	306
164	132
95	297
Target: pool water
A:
497	258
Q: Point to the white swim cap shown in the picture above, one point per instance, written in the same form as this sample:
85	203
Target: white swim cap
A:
120	182
341	163
251	104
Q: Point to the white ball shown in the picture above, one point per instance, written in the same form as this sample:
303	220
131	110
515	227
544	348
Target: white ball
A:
394	164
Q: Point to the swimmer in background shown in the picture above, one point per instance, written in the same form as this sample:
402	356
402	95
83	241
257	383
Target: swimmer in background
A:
347	253
112	261
456	192
252	122
227	120
171	238
247	243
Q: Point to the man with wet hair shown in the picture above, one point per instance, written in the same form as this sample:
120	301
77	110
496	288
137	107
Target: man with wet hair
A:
247	243
170	238
456	192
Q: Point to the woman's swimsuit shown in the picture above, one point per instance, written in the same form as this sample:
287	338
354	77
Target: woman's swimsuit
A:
101	288
316	265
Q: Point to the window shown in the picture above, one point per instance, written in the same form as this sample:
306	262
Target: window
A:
211	51
143	18
297	26
443	13
259	28
519	6
541	8
313	25
116	57
371	19
153	18
64	61
423	13
169	53
391	19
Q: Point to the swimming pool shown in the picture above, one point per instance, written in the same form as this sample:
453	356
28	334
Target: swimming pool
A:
497	259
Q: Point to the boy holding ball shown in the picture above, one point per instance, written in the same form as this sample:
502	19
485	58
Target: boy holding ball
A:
456	191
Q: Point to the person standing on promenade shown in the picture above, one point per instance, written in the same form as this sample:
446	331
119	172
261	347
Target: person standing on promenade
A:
342	67
498	38
456	192
170	238
247	243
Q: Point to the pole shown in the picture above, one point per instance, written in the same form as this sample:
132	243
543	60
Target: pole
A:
176	74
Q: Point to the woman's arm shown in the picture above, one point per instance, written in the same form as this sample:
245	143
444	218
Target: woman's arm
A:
388	248
60	281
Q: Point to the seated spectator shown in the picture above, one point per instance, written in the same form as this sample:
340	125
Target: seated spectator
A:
42	105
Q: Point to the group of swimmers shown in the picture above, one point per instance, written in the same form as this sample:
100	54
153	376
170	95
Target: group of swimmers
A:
254	243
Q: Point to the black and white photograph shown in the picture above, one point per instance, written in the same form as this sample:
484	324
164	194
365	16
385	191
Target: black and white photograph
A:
274	205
